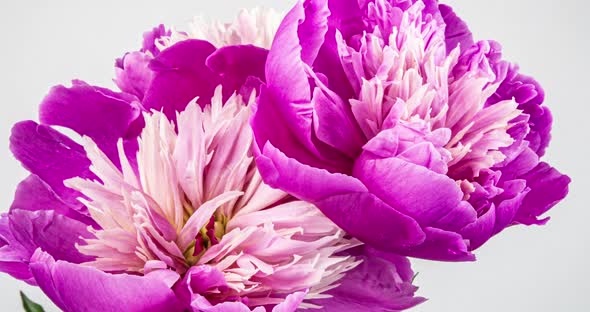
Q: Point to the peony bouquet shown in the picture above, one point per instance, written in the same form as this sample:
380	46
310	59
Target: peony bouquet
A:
279	163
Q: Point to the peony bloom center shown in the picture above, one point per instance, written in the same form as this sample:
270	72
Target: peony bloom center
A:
195	201
410	93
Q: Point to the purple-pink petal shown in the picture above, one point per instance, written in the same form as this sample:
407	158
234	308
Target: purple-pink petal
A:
235	65
343	199
382	282
50	155
197	281
442	245
180	76
418	192
13	256
457	32
300	35
101	114
46	199
548	187
76	288
55	234
23	231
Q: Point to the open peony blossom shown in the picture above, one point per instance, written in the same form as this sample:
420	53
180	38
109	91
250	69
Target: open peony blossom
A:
161	207
405	132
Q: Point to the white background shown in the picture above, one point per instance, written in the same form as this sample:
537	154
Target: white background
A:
43	43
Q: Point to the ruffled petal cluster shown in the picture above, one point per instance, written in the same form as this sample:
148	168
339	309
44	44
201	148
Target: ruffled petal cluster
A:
402	129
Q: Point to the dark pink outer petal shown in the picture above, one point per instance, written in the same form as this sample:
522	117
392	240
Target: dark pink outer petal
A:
548	187
22	232
382	282
132	74
180	76
529	94
498	217
508	203
481	230
284	112
531	102
77	288
33	194
330	110
270	126
51	156
528	190
54	233
101	114
456	30
13	256
519	166
344	199
312	29
442	245
416	191
347	17
235	64
328	64
40	218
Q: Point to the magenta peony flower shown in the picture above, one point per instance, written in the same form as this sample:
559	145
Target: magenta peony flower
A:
161	206
405	132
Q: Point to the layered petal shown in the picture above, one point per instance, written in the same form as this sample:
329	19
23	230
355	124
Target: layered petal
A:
424	195
300	37
101	114
46	199
202	280
530	96
382	282
132	73
457	32
24	231
181	68
343	199
50	155
548	187
79	288
238	65
151	38
13	256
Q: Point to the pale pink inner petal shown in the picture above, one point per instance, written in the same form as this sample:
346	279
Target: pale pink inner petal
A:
255	26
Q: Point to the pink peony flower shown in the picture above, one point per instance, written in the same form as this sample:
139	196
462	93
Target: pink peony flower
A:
160	206
405	132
